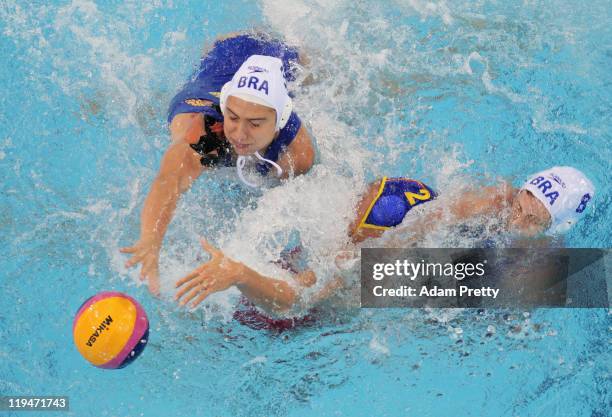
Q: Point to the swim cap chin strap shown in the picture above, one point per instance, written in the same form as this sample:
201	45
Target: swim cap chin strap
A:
242	161
565	192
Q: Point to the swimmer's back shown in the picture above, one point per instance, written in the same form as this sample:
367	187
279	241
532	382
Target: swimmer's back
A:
201	93
228	54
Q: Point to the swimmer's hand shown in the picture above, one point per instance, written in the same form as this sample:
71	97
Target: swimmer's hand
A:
145	251
216	275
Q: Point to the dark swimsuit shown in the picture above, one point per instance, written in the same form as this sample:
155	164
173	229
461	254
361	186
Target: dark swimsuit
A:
249	315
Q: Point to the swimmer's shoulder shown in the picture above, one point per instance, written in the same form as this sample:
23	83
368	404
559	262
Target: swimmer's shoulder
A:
504	192
299	156
187	127
478	200
186	131
496	194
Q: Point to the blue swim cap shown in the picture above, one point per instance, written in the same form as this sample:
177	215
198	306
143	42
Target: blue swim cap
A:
396	197
389	210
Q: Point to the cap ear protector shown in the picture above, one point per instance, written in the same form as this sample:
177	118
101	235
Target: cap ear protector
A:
287	109
283	118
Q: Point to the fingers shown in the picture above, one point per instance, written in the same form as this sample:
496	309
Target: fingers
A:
149	270
185	289
154	285
149	267
198	288
136	258
133	261
201	297
197	285
143	274
189	276
189	296
207	246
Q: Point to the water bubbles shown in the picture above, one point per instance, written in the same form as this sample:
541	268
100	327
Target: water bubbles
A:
475	64
379	346
455	333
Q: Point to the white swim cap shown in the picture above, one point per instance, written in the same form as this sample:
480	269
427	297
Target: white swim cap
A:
260	80
565	192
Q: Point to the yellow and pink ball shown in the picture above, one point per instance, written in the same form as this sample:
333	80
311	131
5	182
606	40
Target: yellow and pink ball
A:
110	330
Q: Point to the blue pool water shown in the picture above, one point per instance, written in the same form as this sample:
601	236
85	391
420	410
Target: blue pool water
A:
432	89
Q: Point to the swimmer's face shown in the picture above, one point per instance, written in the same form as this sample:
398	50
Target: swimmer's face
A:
249	127
529	216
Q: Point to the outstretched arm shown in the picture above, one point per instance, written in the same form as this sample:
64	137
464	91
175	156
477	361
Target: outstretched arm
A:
180	166
482	201
222	272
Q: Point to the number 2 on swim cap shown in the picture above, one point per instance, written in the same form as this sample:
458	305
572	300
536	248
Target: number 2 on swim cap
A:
423	195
